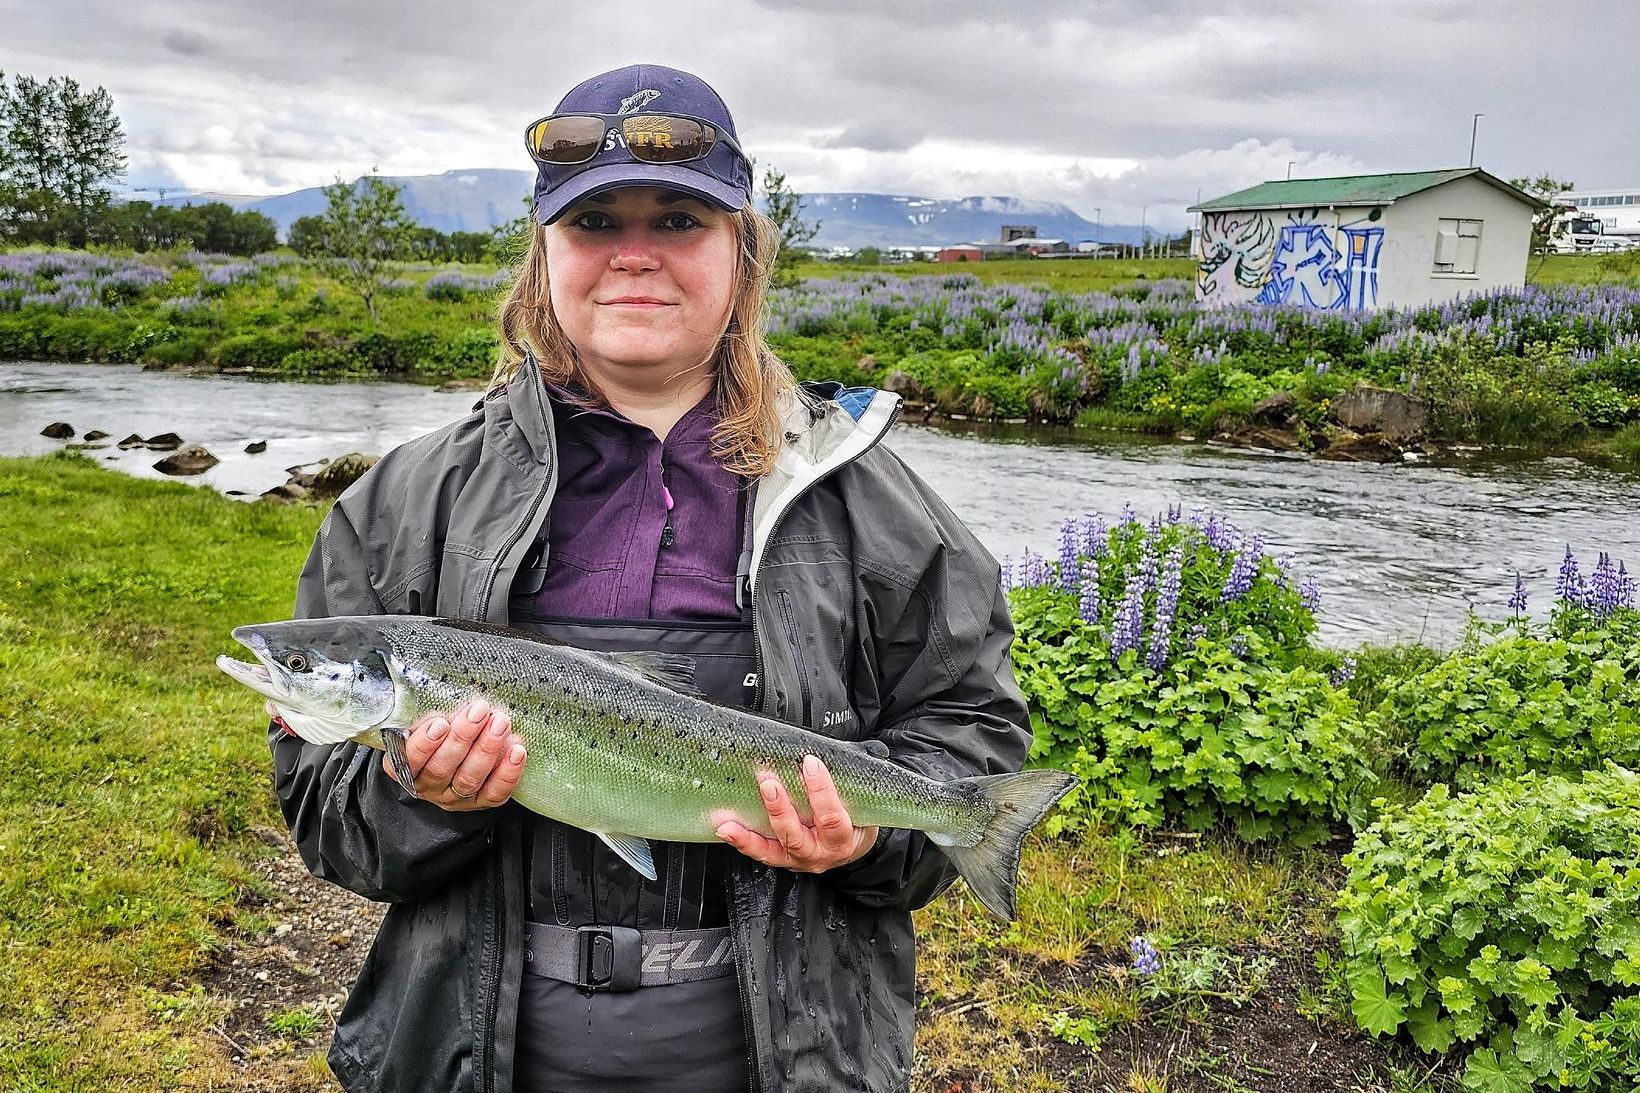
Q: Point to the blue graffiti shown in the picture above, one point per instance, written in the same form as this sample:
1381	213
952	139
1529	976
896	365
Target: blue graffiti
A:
1306	261
1361	268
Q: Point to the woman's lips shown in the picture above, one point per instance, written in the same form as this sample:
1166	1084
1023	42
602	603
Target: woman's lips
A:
636	301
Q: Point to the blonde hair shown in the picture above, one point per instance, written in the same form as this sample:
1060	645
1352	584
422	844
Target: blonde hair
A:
752	383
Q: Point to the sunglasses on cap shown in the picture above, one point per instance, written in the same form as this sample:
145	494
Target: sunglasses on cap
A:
561	139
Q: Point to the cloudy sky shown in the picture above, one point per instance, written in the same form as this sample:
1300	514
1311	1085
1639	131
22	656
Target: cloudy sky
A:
1120	106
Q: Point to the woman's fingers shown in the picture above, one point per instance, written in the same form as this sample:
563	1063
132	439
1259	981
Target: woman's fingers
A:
465	760
830	840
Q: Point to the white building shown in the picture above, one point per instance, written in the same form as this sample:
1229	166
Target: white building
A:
1363	241
1618	210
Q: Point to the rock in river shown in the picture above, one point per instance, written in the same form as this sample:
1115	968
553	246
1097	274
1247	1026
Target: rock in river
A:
190	460
164	442
1367	409
132	441
96	434
256	447
58	430
342	473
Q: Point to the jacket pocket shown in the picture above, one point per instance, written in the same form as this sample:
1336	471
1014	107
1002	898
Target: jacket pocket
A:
795	641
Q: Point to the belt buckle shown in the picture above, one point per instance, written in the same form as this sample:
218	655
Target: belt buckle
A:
608	958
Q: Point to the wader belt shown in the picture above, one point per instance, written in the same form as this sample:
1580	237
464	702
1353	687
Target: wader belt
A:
620	958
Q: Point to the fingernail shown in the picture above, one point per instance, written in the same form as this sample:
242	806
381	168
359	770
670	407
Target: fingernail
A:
517	753
478	709
724	831
770	788
437	729
498	725
811	765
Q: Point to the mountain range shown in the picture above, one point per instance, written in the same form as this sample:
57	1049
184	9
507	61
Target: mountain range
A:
477	200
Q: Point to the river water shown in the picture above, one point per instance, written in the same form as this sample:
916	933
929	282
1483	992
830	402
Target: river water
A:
1401	552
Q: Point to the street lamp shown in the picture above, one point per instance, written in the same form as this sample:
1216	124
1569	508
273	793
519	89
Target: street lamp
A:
1098	228
1474	123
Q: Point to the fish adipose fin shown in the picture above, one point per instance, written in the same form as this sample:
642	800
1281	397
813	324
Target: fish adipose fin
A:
393	741
991	866
633	850
674	671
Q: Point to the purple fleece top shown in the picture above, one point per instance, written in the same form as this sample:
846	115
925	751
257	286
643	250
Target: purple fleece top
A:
610	557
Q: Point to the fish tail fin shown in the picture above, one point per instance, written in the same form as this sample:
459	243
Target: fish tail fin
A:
991	866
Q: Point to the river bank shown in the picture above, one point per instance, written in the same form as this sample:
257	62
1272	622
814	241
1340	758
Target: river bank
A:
1553	368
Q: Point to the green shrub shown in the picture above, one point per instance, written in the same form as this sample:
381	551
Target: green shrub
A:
318	361
259	350
1178	692
1521	701
1508	919
472	352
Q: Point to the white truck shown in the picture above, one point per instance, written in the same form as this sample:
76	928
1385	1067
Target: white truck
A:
1577	232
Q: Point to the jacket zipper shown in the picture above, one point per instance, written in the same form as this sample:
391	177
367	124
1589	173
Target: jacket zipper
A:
498	890
741	956
797	655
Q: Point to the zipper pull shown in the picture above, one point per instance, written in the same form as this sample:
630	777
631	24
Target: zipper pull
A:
667	534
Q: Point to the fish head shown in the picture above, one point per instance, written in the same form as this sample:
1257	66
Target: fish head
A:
327	679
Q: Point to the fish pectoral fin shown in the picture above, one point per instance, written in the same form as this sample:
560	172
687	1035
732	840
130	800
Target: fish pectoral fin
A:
675	671
393	741
633	850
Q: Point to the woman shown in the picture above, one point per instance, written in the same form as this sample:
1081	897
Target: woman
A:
645	474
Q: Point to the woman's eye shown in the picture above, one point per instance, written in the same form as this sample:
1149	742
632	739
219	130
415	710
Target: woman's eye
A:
679	222
591	221
296	662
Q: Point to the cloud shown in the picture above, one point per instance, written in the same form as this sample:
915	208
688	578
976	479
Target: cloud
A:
1118	103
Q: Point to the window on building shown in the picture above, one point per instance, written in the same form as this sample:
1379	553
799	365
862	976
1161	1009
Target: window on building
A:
1457	245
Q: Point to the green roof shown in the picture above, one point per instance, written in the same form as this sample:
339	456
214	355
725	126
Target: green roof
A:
1308	193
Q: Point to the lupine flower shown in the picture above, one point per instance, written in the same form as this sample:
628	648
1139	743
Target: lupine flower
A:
1088	604
1568	584
1242	572
1310	593
1130	616
1146	960
1007	573
1095	535
1238	645
1167	602
1069	573
1343	673
1517	600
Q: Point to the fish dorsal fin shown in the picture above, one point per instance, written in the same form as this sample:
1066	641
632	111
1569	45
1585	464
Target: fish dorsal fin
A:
633	850
674	671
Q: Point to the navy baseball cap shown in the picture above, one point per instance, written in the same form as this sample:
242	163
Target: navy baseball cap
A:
723	178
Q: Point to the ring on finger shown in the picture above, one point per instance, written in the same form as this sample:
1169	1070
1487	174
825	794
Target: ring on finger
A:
463	796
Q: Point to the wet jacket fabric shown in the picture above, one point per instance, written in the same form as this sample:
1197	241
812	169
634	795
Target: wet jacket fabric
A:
877	616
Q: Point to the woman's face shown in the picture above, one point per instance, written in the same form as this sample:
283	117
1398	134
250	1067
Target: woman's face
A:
641	281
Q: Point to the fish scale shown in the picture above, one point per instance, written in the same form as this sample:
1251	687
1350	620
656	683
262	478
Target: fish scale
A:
618	743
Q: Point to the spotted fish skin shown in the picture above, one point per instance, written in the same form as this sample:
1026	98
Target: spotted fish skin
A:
615	743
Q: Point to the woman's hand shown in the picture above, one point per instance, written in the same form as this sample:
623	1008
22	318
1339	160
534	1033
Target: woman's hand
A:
465	760
829	841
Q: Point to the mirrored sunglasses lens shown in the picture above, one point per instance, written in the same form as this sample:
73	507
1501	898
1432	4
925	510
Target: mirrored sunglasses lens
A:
567	140
656	138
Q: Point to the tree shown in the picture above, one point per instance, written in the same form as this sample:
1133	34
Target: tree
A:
363	228
784	207
305	236
61	148
1545	188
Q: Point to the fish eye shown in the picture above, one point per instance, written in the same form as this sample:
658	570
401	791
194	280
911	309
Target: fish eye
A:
296	662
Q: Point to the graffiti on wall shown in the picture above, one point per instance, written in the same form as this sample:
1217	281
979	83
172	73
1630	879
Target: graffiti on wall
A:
1244	257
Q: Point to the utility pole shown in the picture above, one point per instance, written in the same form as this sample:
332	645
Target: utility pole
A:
1474	123
1290	163
1098	229
1144	232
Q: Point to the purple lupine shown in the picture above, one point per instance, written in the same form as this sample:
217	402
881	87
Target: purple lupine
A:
1343	673
1146	960
1602	594
1128	628
1194	634
1036	570
1310	593
1147	561
1088	604
1167	603
1517	600
1007	573
1095	535
1070	574
1243	571
1566	584
1238	646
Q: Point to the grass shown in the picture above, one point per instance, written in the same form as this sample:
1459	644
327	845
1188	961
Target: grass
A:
1057	274
133	770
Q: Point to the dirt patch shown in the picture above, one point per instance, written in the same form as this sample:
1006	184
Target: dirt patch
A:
283	987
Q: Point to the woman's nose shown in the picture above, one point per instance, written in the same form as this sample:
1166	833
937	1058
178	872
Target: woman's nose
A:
635	252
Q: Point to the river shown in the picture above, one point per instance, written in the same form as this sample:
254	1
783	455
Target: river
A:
1401	552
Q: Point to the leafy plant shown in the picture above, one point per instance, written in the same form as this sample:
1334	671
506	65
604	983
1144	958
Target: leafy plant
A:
1507	919
1162	664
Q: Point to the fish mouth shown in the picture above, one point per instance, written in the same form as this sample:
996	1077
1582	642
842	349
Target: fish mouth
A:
263	677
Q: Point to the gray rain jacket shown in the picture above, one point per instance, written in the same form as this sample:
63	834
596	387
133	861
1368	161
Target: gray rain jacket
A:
877	615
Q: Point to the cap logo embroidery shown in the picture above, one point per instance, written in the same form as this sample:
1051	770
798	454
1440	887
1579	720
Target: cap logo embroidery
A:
634	103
